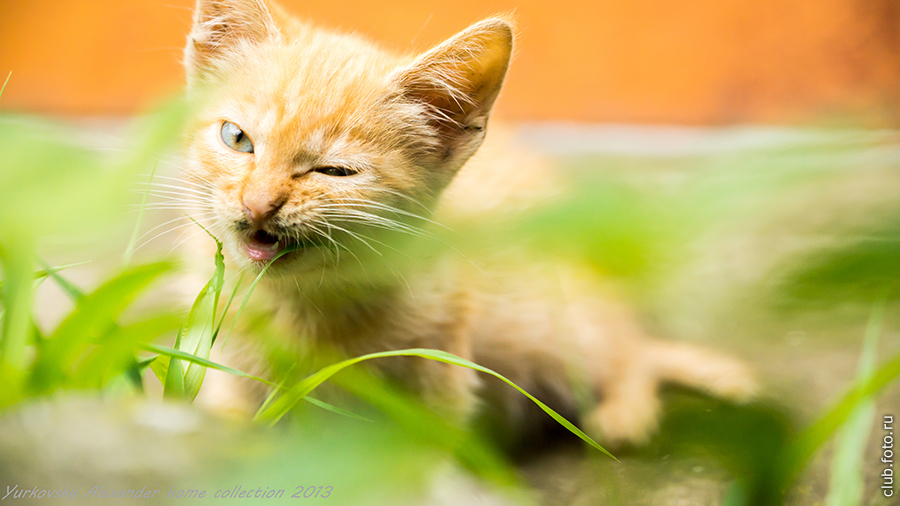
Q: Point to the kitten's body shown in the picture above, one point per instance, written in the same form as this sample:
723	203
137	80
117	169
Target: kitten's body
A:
340	128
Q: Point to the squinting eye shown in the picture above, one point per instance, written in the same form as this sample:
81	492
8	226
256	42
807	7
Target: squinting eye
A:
235	138
336	171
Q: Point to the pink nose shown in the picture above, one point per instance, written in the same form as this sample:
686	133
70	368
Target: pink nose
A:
259	209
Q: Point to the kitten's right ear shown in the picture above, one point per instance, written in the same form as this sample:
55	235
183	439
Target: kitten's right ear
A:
222	26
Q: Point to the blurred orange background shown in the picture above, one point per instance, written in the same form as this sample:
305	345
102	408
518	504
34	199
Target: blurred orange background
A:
691	61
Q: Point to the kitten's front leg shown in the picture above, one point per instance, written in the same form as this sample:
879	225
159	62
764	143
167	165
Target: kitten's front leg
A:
227	394
448	390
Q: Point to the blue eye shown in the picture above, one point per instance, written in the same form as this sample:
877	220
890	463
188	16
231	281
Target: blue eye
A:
235	138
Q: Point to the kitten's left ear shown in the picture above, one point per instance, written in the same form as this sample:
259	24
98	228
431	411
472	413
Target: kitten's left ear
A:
459	80
221	26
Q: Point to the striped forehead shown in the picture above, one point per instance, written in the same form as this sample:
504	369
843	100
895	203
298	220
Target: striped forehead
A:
313	96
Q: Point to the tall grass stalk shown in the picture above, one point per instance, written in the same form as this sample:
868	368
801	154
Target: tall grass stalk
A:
847	477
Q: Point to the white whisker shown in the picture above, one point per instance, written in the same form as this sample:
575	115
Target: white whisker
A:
185	181
149	186
148	241
172	195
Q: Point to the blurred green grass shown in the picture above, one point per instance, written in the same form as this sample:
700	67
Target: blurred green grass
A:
650	225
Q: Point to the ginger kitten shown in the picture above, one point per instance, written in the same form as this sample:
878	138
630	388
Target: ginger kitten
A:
348	154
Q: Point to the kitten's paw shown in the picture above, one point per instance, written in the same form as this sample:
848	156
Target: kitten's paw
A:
624	421
222	394
704	370
733	380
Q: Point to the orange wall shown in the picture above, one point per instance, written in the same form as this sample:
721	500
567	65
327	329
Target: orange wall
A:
688	61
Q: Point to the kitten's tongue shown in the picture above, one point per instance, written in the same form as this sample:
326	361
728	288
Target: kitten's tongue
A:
259	251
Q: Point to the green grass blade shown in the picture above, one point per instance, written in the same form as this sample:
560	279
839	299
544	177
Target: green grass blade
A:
160	366
199	329
187	357
17	297
113	357
174	388
815	436
75	294
227	307
67	286
280	407
275	391
43	274
93	317
334	409
847	479
250	292
102	307
5	83
133	374
145	362
174	385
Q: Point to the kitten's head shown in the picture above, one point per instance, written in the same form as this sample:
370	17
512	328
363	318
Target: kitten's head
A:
313	141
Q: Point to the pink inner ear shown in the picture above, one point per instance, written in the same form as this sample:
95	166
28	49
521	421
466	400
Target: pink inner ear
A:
461	78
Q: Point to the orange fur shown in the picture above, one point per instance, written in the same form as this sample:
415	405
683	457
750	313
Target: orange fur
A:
403	128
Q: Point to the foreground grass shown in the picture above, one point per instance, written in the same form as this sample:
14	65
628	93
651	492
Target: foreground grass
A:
638	235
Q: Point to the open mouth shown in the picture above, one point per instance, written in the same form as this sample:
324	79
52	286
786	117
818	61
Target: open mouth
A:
265	246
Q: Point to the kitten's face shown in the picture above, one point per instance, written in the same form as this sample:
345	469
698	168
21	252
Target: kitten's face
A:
303	158
319	143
